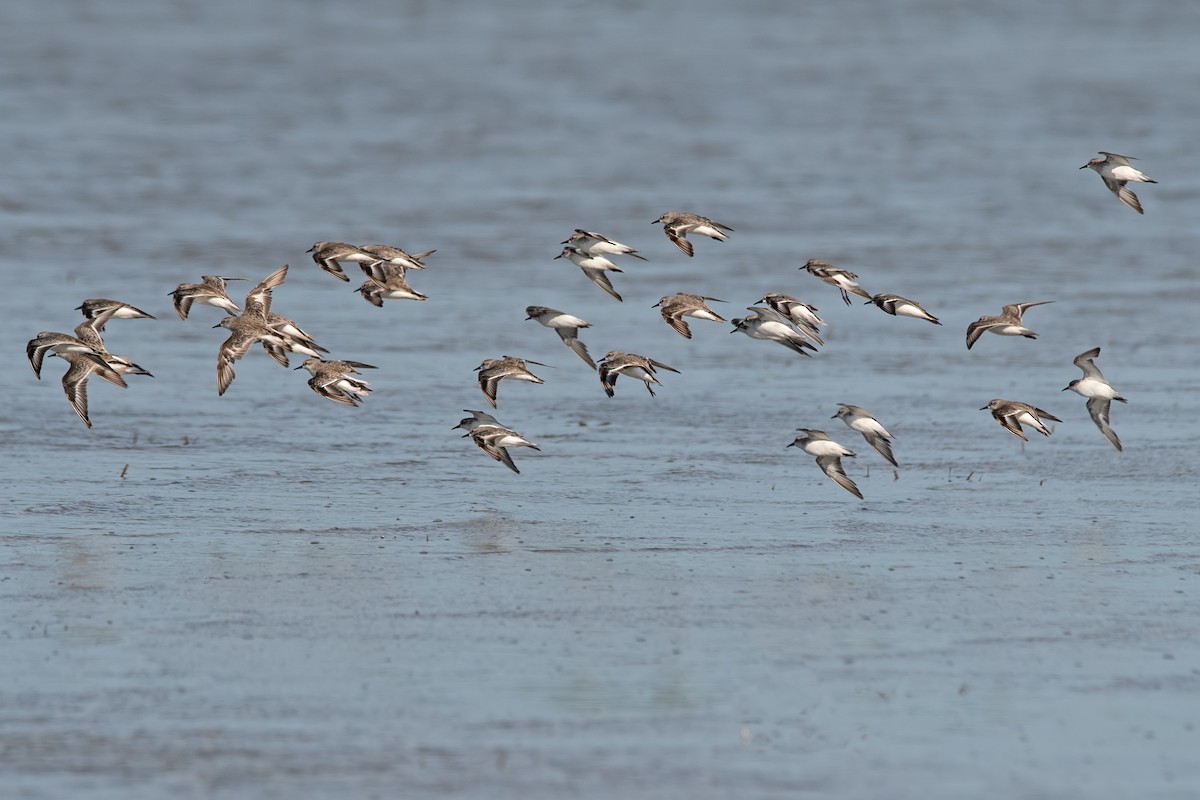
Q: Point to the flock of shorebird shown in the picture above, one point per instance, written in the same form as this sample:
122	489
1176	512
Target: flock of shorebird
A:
775	317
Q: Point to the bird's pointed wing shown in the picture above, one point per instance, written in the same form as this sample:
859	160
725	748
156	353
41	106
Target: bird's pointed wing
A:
679	241
225	374
258	300
489	382
661	365
579	348
832	466
1085	363
1009	421
975	330
600	279
74	383
1046	414
882	446
677	324
1098	408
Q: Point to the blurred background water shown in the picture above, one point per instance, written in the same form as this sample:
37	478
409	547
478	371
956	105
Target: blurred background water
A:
266	594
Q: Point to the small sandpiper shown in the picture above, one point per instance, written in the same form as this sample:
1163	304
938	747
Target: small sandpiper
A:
861	420
493	370
329	255
675	307
802	315
1099	394
97	305
1011	414
387	281
677	225
1116	171
769	325
845	281
615	363
335	380
395	256
593	266
899	306
566	326
829	455
211	291
597	244
1008	323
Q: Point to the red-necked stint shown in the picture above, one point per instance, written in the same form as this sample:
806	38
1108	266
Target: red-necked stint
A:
829	455
845	281
494	370
88	332
244	331
97	305
56	343
566	326
334	380
1099	394
1011	414
74	380
476	419
615	363
83	358
1116	171
597	244
495	439
397	257
211	291
899	306
674	307
769	325
593	266
386	281
258	305
802	315
861	420
1008	323
677	225
329	255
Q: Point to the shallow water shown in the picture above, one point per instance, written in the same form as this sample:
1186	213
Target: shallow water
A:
266	594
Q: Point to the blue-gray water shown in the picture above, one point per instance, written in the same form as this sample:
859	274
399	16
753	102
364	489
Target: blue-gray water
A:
282	597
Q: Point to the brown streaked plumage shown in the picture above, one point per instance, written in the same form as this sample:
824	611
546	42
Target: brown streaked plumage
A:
1011	414
802	315
211	291
677	225
335	380
615	363
329	255
1007	323
494	370
96	305
899	306
843	280
675	307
